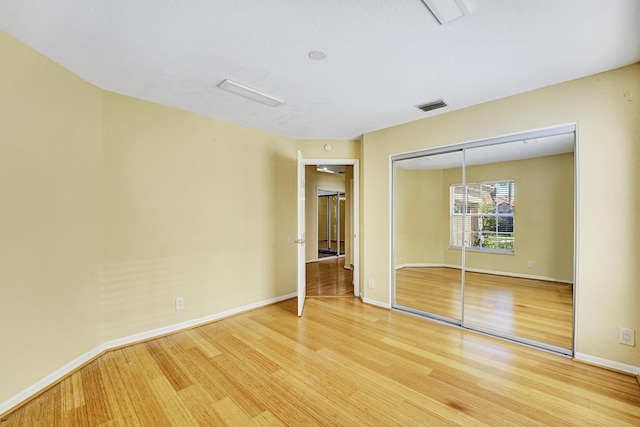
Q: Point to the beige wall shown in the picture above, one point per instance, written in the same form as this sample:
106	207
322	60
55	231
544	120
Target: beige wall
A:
196	207
112	207
341	149
606	109
420	227
51	168
543	222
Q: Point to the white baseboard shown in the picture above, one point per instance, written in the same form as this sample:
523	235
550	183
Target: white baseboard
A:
493	272
154	333
419	264
606	363
78	362
50	379
375	302
323	258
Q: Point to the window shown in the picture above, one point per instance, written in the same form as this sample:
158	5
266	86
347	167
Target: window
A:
487	219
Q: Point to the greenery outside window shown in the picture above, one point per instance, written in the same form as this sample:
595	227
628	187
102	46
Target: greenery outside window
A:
486	215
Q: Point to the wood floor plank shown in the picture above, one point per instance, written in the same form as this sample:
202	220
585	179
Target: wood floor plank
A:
342	363
329	278
175	411
200	404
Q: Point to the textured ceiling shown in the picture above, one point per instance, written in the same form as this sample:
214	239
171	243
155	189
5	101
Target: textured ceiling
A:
383	56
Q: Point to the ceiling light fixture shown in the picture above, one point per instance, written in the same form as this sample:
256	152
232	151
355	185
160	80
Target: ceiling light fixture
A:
446	11
317	55
249	92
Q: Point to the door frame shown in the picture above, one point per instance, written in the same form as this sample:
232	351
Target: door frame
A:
355	211
301	234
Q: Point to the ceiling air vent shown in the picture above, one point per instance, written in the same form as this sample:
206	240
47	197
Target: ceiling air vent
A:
432	105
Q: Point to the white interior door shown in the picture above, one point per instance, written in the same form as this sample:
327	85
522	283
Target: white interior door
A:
302	276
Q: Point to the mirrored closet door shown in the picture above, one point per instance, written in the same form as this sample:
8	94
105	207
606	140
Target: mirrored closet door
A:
484	237
428	277
331	223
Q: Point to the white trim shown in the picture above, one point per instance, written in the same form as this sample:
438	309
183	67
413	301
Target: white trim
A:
81	360
576	234
606	363
511	137
376	302
50	379
419	264
324	259
479	270
519	275
392	232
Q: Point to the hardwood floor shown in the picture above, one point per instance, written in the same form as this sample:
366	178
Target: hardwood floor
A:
532	309
342	363
329	278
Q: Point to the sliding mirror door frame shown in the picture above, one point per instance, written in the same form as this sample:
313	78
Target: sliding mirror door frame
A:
523	136
426	284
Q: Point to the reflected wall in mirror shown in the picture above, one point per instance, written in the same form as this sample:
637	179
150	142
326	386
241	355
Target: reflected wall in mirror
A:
425	282
519	261
490	245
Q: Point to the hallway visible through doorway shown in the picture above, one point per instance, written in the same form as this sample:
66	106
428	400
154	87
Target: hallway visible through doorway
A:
329	278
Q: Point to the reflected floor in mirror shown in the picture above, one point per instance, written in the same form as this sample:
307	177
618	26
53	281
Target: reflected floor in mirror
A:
527	308
329	278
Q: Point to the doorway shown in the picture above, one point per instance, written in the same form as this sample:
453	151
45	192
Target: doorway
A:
332	224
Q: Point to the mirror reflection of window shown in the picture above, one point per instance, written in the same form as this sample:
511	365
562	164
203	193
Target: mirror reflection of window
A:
488	217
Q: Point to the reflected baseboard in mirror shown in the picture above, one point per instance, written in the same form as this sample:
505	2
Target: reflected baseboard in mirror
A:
533	309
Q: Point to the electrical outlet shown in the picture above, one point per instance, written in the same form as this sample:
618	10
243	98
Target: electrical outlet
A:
627	336
370	283
179	303
530	264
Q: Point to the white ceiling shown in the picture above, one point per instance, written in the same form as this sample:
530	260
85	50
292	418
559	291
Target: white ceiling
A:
383	56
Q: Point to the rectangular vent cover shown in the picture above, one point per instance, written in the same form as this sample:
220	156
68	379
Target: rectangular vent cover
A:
432	105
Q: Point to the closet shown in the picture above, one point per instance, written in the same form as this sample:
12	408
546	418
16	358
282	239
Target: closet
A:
483	236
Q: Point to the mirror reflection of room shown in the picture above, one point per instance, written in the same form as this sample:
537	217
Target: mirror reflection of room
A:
500	240
331	211
424	281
